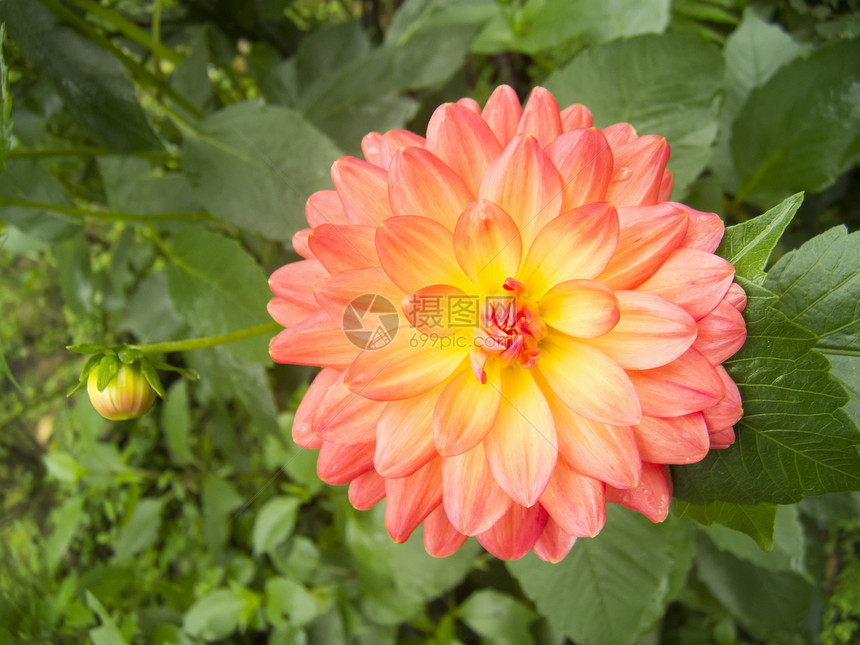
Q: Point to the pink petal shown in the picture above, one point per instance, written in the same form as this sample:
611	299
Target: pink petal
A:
472	498
650	333
721	333
651	497
575	245
588	381
737	297
515	533
525	184
541	117
440	538
574	501
379	149
367	490
705	230
722	438
363	190
648	235
502	113
295	282
580	308
404	435
366	290
300	243
466	411
487	245
666	186
729	410
325	207
639	167
677	440
619	134
470	104
288	313
463	140
344	417
341	248
584	161
304	433
421	184
411	499
692	279
553	544
314	341
340	463
576	116
686	385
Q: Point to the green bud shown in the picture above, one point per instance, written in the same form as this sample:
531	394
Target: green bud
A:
127	395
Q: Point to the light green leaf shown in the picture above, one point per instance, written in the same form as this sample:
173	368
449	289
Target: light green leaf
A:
141	529
217	287
108	368
755	521
220	498
497	617
255	166
63	466
274	524
216	615
678	101
749	245
5	371
191	77
65	519
612	588
288	602
801	130
108	633
176	424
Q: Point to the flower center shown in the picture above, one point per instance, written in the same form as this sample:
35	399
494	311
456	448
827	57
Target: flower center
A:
510	329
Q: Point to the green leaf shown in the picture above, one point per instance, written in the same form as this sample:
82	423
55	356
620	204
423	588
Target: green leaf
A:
220	498
755	521
63	466
612	588
108	368
108	633
497	617
216	615
65	520
684	78
801	130
288	602
92	83
748	246
255	166
28	180
140	530
4	370
5	103
176	424
274	523
217	287
151	376
86	348
793	439
191	77
133	186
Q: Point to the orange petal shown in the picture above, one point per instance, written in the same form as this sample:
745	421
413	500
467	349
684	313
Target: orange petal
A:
575	501
584	161
603	452
300	243
651	497
721	333
368	291
435	310
651	332
728	411
521	446
344	417
367	490
487	245
417	252
314	341
470	104
705	231
639	167
678	440
295	282
379	149
580	308
619	134
340	463
404	435
575	245
440	538
421	184
541	117
502	113
411	499
553	544
288	313
304	433
472	498
576	116
588	381
325	207
524	182
686	385
515	533
466	411
648	235
464	141
407	366
341	248
692	279
363	190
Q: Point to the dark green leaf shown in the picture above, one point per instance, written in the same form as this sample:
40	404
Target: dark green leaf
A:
108	368
150	314
5	103
140	530
255	166
612	588
274	523
27	180
108	633
497	617
749	245
191	77
176	424
65	518
678	100
755	521
132	186
4	370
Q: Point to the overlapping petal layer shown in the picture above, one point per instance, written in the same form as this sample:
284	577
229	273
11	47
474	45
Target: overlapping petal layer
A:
514	324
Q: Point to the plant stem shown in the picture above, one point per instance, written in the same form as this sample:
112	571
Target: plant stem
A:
208	341
108	215
84	151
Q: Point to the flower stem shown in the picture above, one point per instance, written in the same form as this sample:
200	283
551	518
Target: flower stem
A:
108	215
208	341
84	151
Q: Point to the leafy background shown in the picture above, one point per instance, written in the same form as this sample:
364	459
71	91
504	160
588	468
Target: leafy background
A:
156	158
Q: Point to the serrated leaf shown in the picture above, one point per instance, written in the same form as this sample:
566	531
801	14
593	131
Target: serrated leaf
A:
108	368
497	617
678	101
274	523
607	590
756	521
794	439
748	246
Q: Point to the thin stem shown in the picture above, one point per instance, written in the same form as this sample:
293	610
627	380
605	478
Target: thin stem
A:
208	341
108	215
84	151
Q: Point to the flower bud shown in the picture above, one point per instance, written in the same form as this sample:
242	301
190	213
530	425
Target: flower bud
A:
127	396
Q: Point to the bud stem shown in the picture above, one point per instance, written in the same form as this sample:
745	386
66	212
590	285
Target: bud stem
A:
208	341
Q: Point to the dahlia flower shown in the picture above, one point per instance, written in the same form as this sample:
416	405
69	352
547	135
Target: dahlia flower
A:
514	324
